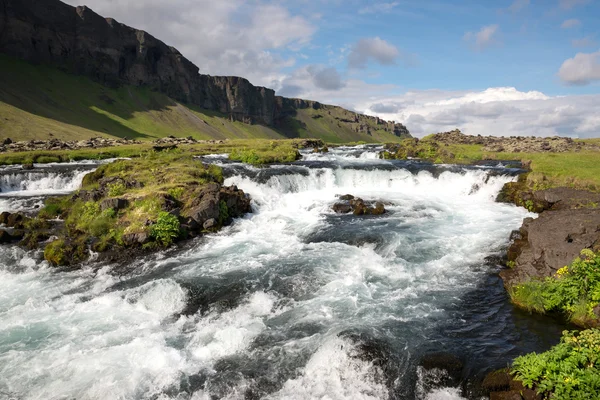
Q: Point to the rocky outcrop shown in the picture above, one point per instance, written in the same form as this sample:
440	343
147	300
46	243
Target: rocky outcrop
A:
79	41
357	206
94	143
514	144
569	223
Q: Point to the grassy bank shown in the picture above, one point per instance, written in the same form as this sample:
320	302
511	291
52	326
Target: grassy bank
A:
572	169
256	151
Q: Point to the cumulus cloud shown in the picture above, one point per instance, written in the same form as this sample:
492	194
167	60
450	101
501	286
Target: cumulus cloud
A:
372	49
581	69
326	78
483	39
222	37
570	23
389	107
568	4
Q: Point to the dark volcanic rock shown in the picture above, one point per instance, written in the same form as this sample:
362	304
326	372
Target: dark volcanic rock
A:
358	206
115	204
550	242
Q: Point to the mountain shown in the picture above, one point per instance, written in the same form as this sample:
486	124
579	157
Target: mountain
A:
93	75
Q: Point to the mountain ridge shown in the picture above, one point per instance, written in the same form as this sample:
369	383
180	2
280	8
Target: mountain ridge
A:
79	41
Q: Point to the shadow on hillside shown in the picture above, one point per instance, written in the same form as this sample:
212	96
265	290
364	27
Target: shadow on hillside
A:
80	103
75	101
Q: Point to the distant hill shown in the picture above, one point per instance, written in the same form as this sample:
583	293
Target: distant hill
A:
72	74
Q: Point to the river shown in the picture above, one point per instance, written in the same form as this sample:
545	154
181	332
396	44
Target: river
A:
292	301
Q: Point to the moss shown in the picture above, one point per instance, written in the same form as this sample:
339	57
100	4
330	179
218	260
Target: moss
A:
56	254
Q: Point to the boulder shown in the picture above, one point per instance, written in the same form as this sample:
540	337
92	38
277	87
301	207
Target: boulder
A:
550	242
211	223
114	203
342	208
346	197
131	239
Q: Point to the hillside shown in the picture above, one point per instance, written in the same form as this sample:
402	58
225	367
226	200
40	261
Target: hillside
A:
92	76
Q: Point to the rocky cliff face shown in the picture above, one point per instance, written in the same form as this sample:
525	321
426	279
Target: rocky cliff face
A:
79	41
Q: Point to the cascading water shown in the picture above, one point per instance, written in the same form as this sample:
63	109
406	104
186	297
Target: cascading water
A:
291	302
24	190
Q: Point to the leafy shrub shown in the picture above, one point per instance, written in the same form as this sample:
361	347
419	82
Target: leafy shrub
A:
116	189
176	193
574	290
166	229
567	371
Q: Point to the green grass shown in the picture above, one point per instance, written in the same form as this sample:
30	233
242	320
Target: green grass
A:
41	102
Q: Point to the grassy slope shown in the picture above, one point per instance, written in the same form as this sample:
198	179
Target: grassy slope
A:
37	101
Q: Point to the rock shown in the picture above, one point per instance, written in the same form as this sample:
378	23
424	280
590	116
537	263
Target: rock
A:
211	223
5	237
342	208
550	242
449	363
7	141
497	381
379	209
567	198
27	166
237	202
114	203
131	239
346	197
16	220
4	217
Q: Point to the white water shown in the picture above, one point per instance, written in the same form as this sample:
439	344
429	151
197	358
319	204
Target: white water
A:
24	190
286	286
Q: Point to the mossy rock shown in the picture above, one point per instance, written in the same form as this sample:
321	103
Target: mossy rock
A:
63	253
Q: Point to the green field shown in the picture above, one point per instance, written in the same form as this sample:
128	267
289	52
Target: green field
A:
41	102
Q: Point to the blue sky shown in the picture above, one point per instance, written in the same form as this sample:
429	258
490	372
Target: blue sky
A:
505	67
526	49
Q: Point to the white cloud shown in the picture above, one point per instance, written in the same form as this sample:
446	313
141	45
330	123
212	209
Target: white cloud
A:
374	49
570	23
568	4
581	69
484	38
229	37
379	8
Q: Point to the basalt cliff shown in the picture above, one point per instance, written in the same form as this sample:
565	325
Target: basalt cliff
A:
79	41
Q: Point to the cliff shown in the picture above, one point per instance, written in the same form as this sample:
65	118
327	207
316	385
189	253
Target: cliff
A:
79	41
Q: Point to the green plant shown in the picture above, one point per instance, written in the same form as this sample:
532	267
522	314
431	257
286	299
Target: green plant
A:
569	370
116	189
529	205
166	229
573	290
511	264
176	193
223	212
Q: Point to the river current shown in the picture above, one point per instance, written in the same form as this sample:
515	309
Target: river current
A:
292	301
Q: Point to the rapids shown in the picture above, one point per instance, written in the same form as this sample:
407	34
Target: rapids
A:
291	302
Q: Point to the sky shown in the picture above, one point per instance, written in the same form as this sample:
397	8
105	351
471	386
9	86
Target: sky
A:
494	67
